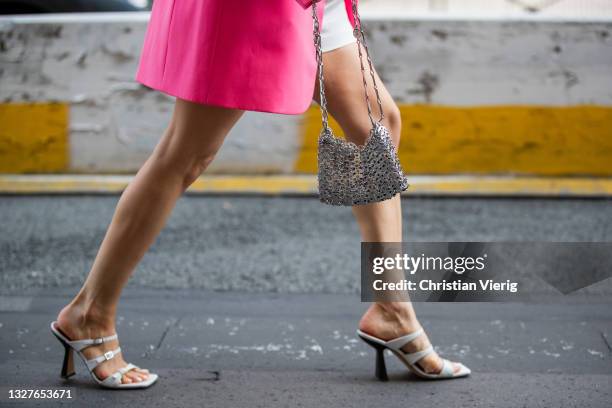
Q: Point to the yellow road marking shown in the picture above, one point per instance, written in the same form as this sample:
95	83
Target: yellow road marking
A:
307	184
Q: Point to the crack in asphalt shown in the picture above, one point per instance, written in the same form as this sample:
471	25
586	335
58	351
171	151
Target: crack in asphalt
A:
605	339
166	331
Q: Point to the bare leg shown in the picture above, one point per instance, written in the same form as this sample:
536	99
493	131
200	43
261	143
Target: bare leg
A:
189	144
378	222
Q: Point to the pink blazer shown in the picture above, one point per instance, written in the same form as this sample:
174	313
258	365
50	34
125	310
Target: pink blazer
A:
245	54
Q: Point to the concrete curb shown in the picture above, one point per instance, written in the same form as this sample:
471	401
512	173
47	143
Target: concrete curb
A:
307	184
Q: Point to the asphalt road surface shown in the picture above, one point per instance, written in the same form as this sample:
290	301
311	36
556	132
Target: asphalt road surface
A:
258	244
253	302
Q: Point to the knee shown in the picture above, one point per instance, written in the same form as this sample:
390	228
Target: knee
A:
393	122
183	163
358	131
194	167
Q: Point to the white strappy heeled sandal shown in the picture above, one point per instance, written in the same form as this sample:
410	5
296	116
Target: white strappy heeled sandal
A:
113	380
409	359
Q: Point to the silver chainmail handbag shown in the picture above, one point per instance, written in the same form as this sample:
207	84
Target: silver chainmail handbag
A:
350	174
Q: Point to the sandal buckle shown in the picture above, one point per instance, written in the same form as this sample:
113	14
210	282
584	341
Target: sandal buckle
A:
109	354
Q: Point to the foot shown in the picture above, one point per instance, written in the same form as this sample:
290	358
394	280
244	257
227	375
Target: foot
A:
77	326
388	325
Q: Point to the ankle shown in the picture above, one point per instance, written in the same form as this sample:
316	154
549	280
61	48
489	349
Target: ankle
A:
389	319
86	312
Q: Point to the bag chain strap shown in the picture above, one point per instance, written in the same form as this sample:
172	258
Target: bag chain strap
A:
361	41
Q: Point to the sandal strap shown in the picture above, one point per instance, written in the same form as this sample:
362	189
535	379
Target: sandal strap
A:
82	344
447	369
400	342
412	358
96	361
127	368
113	380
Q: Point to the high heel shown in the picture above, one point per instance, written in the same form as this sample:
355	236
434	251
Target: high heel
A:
113	380
68	364
409	359
381	368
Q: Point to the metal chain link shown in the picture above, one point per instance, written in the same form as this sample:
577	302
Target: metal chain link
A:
319	51
361	42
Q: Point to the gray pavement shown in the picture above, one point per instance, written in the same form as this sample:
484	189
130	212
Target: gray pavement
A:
247	302
265	244
245	350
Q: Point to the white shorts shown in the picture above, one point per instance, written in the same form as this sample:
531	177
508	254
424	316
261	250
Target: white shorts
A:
336	30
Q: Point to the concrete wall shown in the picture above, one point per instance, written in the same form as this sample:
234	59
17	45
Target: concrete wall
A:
481	96
588	9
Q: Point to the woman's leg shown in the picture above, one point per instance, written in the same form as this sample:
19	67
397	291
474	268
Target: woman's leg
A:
378	222
187	147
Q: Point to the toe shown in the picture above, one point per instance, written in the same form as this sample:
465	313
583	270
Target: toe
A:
142	372
126	379
135	377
